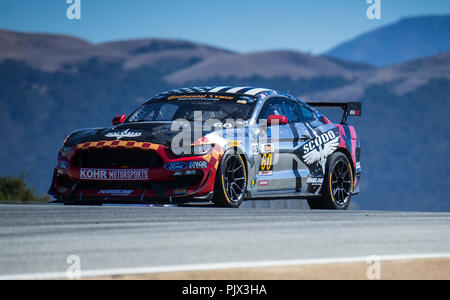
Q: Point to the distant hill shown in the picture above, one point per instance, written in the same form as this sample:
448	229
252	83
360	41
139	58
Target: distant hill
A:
408	39
293	65
402	78
47	90
49	52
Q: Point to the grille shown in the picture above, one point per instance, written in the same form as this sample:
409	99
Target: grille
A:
116	158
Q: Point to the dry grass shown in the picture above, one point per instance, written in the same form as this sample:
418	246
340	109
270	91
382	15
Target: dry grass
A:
421	269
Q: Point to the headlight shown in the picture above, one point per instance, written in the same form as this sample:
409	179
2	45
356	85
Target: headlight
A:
62	165
65	151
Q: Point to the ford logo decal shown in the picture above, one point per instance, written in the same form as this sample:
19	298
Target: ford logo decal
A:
176	166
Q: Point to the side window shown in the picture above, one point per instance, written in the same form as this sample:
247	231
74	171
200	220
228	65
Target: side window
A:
305	115
271	107
279	107
166	112
290	112
145	112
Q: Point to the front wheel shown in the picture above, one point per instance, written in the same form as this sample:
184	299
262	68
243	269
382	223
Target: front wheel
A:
231	181
337	187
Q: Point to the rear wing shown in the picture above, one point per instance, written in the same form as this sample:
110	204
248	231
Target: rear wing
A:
350	108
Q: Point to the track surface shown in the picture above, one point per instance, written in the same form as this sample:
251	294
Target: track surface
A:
37	239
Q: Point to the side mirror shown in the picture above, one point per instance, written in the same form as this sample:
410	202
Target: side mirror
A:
280	120
119	119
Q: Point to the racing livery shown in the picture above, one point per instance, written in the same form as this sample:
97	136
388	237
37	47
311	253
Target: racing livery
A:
219	144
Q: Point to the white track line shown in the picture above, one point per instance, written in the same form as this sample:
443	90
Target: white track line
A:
223	266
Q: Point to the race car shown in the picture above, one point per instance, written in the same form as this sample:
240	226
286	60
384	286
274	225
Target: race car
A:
221	145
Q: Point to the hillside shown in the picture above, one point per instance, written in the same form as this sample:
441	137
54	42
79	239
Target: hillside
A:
49	52
403	129
401	78
289	64
408	39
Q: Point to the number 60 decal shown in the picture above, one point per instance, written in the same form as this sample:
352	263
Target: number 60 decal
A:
266	162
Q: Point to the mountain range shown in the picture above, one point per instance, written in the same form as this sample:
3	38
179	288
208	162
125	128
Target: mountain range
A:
407	39
53	84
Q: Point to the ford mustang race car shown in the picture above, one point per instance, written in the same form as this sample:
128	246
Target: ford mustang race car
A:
222	145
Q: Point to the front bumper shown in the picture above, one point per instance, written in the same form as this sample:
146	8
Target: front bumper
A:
174	180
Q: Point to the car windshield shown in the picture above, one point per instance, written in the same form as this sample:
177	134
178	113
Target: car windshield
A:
185	109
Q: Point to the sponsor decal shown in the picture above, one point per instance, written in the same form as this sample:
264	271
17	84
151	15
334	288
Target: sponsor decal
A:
263	182
265	173
358	165
123	134
115	192
114	174
176	166
266	162
314	180
254	148
200	97
354	112
198	164
187	97
253	182
242	101
320	148
266	148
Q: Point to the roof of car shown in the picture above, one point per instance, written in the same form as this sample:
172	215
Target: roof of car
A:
256	93
242	90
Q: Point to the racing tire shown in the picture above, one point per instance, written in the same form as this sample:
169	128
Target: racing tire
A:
231	181
337	187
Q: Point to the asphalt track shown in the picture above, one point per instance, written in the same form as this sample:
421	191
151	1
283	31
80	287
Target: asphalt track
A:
35	241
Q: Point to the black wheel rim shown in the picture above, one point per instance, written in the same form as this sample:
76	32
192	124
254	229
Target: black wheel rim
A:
234	179
341	183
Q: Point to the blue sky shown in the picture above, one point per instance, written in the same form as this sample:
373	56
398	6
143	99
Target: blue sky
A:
240	25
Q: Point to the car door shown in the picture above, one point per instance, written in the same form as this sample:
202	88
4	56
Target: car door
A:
274	162
314	133
307	178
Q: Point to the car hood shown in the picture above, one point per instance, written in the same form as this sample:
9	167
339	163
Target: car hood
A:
157	133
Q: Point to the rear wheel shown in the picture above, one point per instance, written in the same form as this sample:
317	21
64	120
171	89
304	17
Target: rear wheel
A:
231	181
337	186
